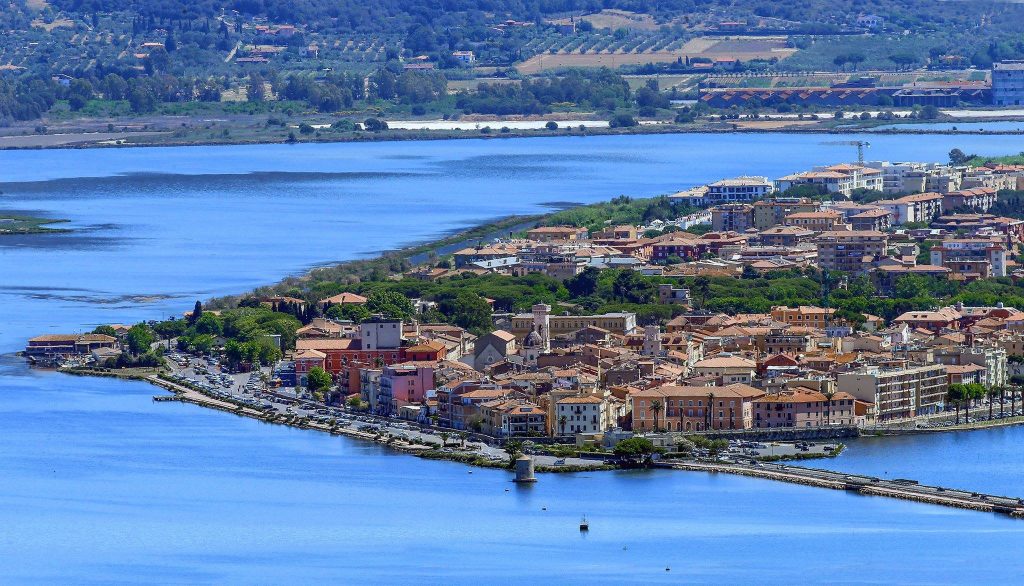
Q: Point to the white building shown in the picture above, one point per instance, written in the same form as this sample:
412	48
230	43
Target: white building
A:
379	333
585	414
743	188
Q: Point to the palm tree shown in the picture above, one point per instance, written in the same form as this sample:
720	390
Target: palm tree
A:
444	438
954	396
1013	399
463	436
1002	400
710	424
992	393
656	407
561	423
829	392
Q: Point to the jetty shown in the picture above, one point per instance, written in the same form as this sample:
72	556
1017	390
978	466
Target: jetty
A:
866	485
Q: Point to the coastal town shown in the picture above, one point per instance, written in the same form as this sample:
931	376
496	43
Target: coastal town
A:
554	373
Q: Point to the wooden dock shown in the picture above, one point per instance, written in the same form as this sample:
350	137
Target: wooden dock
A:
866	485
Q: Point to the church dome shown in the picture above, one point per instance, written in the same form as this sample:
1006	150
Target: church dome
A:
532	340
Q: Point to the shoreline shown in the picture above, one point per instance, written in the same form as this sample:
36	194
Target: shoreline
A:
436	135
184	394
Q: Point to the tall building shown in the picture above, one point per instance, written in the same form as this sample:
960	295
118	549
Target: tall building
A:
1008	83
899	392
734	217
851	251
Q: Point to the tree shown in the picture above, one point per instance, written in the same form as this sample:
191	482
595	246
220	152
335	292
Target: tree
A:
710	424
829	392
374	125
105	330
468	310
463	436
958	157
551	125
318	380
444	435
955	395
197	312
561	424
622	121
992	393
638	451
353	312
390	304
513	448
656	407
702	288
585	283
139	339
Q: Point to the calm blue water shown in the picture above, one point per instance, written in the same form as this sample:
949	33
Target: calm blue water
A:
1002	125
97	483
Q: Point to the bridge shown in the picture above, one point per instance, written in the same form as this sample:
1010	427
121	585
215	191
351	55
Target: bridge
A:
867	485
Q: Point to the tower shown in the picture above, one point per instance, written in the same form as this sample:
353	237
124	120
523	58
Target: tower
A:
652	340
542	325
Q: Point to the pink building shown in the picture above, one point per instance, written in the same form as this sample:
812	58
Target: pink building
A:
804	407
305	360
405	384
676	408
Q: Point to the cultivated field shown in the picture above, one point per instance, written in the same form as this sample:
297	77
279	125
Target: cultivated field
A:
743	49
614	19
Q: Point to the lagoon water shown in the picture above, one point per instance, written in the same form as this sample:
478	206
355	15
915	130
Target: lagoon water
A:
97	483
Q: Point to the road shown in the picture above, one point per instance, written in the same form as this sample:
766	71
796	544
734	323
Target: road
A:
251	390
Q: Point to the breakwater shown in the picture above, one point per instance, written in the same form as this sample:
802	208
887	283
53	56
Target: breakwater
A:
866	485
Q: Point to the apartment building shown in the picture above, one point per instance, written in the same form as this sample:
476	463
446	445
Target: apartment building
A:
730	369
804	407
852	251
745	188
823	221
876	219
586	414
836	179
978	199
618	323
804	315
911	177
1008	83
693	408
732	217
772	212
556	233
897	392
982	257
920	207
993	359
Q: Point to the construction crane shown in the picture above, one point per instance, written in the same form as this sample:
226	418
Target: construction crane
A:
860	144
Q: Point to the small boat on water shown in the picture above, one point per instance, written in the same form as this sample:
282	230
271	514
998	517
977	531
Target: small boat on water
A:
584	524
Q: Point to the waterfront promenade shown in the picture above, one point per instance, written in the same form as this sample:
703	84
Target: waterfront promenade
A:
866	485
